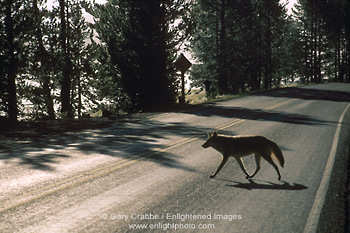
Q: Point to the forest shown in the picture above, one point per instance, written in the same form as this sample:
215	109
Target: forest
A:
54	64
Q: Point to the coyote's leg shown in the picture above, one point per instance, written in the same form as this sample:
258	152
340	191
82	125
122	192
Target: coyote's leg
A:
269	159
257	161
240	162
224	160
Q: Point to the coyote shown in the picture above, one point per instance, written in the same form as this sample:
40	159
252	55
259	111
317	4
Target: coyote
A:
239	146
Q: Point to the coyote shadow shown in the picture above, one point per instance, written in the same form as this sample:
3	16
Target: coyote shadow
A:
267	185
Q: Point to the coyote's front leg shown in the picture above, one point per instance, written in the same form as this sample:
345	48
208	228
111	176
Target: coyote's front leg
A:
257	161
224	160
240	162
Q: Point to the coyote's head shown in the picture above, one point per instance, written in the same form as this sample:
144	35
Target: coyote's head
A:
211	140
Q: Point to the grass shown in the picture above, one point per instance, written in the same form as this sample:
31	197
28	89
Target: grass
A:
198	96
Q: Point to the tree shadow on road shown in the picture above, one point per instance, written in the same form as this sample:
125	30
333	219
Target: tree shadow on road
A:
309	94
260	115
267	185
214	109
42	149
42	161
42	145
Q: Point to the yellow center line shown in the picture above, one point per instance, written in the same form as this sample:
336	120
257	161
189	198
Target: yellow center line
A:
237	121
103	170
279	104
232	123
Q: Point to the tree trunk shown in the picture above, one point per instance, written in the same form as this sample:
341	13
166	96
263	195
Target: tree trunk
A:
260	48
319	64
13	64
12	101
67	67
223	79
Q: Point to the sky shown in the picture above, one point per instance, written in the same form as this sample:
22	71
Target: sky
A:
87	16
289	5
55	2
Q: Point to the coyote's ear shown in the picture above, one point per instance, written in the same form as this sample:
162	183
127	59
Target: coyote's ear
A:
211	134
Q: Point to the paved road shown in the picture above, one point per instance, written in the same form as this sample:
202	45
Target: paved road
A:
151	172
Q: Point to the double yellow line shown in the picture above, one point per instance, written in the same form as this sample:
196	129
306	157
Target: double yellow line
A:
237	121
103	170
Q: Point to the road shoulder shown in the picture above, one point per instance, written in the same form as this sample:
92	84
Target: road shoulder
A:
335	212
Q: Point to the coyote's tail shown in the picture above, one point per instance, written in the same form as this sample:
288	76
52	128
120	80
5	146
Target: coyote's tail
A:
277	152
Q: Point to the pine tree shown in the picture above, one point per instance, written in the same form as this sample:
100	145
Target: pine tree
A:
82	55
141	45
66	79
41	60
13	37
238	44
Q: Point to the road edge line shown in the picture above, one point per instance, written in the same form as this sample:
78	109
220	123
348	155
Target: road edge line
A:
314	215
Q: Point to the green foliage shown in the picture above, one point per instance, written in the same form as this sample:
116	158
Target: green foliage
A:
238	44
141	46
16	22
324	32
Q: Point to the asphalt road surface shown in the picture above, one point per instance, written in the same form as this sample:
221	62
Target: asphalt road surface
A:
150	173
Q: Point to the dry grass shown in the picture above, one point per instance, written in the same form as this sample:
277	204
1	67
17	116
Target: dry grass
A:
197	96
